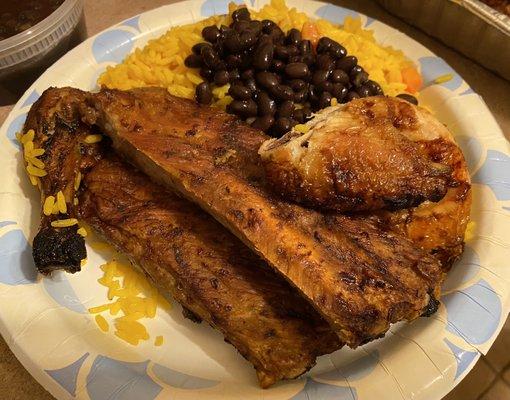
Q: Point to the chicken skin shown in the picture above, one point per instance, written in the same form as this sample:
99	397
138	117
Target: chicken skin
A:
364	155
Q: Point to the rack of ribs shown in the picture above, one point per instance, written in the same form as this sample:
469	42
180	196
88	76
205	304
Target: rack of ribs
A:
183	251
359	276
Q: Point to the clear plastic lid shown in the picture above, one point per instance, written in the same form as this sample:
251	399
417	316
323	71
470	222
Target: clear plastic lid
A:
41	37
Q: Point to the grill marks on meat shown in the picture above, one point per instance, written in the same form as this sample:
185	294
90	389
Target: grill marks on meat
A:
357	157
346	267
187	253
182	250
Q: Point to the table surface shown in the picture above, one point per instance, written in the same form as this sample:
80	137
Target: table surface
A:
491	376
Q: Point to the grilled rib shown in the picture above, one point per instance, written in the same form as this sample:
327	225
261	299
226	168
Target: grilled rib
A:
347	268
182	250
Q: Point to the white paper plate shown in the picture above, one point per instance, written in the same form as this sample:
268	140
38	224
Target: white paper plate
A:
45	322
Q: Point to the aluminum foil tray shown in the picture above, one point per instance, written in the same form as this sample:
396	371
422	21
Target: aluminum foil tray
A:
469	26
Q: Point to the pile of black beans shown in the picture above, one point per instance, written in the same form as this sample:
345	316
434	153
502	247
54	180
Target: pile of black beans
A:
277	80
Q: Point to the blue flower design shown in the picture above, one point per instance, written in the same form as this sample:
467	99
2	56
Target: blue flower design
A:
463	358
495	173
473	313
112	45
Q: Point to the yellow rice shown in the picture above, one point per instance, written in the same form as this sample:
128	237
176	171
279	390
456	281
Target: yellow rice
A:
161	61
89	139
130	294
61	202
64	223
48	205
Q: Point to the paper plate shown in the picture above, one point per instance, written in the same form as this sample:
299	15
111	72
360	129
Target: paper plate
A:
45	322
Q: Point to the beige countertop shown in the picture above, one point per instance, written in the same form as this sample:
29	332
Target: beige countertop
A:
489	378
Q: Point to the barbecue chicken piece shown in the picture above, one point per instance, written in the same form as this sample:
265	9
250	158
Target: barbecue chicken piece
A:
358	156
379	153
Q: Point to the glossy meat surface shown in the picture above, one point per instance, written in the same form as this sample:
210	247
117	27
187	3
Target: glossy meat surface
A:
55	120
358	156
348	268
187	254
182	250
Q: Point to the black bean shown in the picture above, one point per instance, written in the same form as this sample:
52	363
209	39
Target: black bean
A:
248	39
324	62
292	50
281	126
308	59
247	74
346	63
300	96
233	75
223	30
233	42
307	111
325	86
282	92
297	70
246	59
243	108
323	45
299	115
267	80
320	76
281	52
297	84
337	50
207	74
211	58
255	26
263	123
267	106
286	109
211	33
408	98
197	48
293	36
313	94
203	93
339	75
363	91
241	14
233	61
375	88
339	91
193	61
358	76
263	56
295	59
221	78
305	47
352	95
278	66
325	100
268	25
219	48
240	26
276	34
251	84
239	92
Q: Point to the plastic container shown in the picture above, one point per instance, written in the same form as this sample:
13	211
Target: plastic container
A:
469	26
23	57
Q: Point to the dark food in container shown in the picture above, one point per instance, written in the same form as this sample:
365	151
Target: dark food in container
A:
37	44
